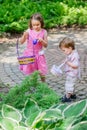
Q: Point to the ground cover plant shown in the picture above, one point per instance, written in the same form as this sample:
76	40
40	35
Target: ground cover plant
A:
31	87
31	117
15	14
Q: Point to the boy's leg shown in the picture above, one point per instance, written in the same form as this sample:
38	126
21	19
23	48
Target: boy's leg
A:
69	85
69	88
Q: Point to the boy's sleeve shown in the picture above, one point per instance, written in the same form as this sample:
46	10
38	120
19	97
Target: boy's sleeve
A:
75	60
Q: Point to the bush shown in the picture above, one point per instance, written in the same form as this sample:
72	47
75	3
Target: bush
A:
30	88
55	13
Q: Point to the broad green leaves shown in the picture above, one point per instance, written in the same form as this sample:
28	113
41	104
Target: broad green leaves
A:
21	128
75	109
60	117
80	126
11	118
11	113
31	111
52	114
31	107
7	124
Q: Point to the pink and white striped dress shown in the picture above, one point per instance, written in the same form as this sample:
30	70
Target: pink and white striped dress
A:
40	62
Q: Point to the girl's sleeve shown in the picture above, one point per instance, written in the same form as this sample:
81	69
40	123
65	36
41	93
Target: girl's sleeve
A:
45	34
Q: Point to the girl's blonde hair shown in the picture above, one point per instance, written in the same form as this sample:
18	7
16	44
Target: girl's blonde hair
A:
67	42
36	16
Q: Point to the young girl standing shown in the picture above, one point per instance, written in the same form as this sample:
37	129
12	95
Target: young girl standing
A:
72	67
36	37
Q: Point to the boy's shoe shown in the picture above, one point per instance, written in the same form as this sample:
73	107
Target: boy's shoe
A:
73	96
65	99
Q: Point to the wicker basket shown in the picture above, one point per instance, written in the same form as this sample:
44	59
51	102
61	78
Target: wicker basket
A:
24	60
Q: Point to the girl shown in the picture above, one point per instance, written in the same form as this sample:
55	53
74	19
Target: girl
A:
72	67
36	38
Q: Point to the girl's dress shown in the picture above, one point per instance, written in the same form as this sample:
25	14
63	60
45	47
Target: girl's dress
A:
31	49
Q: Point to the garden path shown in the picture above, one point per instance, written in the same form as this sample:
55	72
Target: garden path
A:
11	75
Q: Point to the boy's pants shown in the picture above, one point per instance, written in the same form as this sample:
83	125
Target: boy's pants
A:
69	84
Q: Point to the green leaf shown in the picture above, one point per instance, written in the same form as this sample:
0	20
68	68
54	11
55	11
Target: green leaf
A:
7	124
30	107
11	113
67	123
80	126
29	121
52	114
38	119
75	109
62	106
21	128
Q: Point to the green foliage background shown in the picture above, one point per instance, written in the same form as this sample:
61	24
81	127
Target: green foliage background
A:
15	14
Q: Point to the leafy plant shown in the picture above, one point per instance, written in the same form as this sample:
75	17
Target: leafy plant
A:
14	15
31	87
55	118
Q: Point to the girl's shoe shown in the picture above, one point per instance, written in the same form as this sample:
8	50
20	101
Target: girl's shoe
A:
65	99
73	96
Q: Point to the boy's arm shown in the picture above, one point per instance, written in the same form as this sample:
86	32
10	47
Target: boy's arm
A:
74	64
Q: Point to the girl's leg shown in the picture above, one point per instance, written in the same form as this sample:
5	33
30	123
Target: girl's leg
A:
42	77
42	67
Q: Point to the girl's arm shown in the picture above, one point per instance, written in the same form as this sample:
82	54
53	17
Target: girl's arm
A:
44	41
24	37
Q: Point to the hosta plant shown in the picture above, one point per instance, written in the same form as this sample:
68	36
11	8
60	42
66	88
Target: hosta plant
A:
31	117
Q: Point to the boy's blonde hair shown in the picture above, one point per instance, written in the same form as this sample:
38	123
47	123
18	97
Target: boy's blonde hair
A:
67	42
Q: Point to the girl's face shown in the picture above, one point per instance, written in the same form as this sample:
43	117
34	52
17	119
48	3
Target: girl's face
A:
36	25
67	51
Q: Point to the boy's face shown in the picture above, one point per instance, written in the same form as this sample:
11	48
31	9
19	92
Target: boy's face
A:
36	25
67	51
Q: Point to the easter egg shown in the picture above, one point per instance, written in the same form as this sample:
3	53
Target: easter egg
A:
35	41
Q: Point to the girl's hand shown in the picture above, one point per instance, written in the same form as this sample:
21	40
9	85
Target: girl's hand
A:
40	40
24	37
43	42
